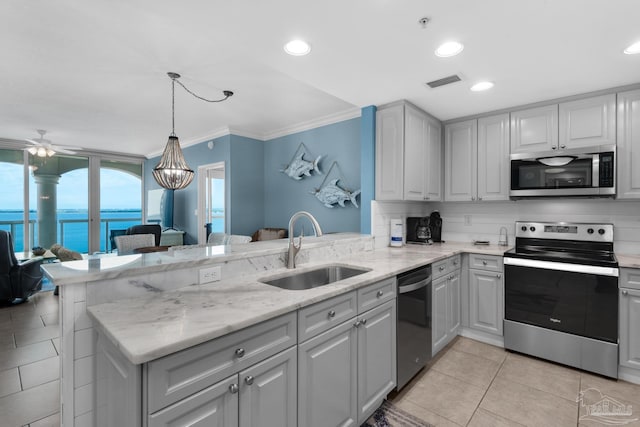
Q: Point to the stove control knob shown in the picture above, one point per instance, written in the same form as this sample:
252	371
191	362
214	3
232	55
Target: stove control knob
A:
532	229
601	231
590	231
524	228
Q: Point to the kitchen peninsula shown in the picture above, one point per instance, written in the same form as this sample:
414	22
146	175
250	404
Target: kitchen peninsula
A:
149	306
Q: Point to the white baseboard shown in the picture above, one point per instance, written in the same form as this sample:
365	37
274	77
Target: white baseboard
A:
629	374
484	337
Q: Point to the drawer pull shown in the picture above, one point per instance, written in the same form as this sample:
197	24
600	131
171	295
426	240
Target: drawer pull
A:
625	293
441	267
249	380
379	294
455	262
364	321
332	313
499	276
484	262
240	352
357	324
233	388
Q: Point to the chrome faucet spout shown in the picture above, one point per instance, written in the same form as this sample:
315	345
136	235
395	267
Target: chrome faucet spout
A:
293	249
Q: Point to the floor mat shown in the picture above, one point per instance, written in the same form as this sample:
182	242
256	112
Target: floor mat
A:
389	415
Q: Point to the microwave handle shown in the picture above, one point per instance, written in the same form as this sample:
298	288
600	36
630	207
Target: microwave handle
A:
595	170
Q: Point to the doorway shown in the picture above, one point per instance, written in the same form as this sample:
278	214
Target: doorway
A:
212	207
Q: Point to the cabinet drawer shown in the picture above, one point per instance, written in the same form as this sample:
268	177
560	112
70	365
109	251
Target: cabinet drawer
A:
376	294
453	263
629	278
485	262
325	315
181	374
439	268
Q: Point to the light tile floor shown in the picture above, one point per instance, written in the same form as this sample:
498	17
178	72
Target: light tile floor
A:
29	363
468	384
475	384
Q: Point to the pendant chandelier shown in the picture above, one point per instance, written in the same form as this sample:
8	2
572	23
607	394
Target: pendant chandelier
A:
172	172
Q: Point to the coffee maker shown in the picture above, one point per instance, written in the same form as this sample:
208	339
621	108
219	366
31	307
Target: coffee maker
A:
435	226
418	230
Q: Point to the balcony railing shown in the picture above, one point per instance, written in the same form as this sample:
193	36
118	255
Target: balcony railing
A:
106	225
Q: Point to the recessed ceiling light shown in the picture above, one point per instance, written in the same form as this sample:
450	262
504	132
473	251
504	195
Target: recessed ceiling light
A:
449	49
634	48
297	48
480	86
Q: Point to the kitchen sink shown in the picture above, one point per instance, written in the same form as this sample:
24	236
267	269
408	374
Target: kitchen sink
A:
314	278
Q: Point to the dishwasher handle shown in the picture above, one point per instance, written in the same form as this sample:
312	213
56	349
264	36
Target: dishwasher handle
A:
410	287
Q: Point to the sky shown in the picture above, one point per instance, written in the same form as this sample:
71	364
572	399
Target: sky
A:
116	189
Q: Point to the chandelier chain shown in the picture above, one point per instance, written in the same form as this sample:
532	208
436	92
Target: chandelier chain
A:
227	93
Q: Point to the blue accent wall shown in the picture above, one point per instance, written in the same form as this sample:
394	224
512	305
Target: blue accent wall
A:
367	165
284	196
259	195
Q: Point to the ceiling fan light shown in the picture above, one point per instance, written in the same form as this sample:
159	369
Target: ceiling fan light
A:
41	152
32	150
50	152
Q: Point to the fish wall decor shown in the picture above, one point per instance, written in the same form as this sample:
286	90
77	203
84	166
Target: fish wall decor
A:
331	194
300	168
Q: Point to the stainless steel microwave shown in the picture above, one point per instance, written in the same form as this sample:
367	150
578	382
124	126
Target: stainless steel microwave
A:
588	172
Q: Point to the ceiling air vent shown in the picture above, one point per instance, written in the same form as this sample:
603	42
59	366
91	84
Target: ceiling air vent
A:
444	81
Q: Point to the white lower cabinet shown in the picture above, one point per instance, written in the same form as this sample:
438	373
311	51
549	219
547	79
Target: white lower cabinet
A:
345	373
445	304
629	303
486	293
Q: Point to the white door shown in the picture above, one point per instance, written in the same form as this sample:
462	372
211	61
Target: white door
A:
268	392
534	130
376	357
327	378
486	301
628	147
461	161
494	175
587	122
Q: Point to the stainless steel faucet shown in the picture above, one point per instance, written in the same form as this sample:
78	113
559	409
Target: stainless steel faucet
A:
293	249
503	240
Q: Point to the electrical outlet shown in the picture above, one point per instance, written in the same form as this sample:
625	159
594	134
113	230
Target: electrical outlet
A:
467	220
211	274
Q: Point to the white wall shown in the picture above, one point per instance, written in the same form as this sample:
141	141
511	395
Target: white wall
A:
486	218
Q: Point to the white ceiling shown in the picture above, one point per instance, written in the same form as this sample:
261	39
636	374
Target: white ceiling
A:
93	73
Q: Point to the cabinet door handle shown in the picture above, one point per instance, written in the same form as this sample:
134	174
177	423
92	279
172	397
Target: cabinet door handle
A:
499	276
233	388
357	324
332	313
364	321
625	293
379	294
554	147
472	198
426	198
479	198
240	352
563	146
248	380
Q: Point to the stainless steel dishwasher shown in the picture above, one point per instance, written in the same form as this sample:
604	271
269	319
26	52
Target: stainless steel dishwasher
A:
413	332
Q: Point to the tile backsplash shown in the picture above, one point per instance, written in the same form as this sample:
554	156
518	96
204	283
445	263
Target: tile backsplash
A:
465	222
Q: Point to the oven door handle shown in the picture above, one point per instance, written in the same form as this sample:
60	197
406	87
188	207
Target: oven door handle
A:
562	266
410	287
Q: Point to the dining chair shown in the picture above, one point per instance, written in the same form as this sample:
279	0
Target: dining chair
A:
127	243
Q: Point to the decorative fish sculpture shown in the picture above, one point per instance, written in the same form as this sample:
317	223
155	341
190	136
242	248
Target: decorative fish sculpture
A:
331	194
300	167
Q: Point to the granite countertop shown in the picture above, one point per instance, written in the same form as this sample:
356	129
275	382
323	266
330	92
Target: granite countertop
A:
149	327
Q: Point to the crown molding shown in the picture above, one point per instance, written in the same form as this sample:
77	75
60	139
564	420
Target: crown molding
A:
300	127
315	123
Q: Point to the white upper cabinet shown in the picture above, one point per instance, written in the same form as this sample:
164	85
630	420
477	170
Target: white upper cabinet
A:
494	174
477	159
588	122
408	154
534	130
628	147
460	144
390	153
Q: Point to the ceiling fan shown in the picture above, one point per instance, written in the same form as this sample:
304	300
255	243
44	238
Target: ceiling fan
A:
42	147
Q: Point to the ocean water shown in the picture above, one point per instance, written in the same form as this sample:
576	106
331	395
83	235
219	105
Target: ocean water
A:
73	227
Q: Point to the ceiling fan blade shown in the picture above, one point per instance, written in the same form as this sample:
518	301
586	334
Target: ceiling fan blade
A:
62	150
34	142
66	147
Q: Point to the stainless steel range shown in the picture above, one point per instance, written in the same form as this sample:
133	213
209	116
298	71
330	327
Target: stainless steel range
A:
561	295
